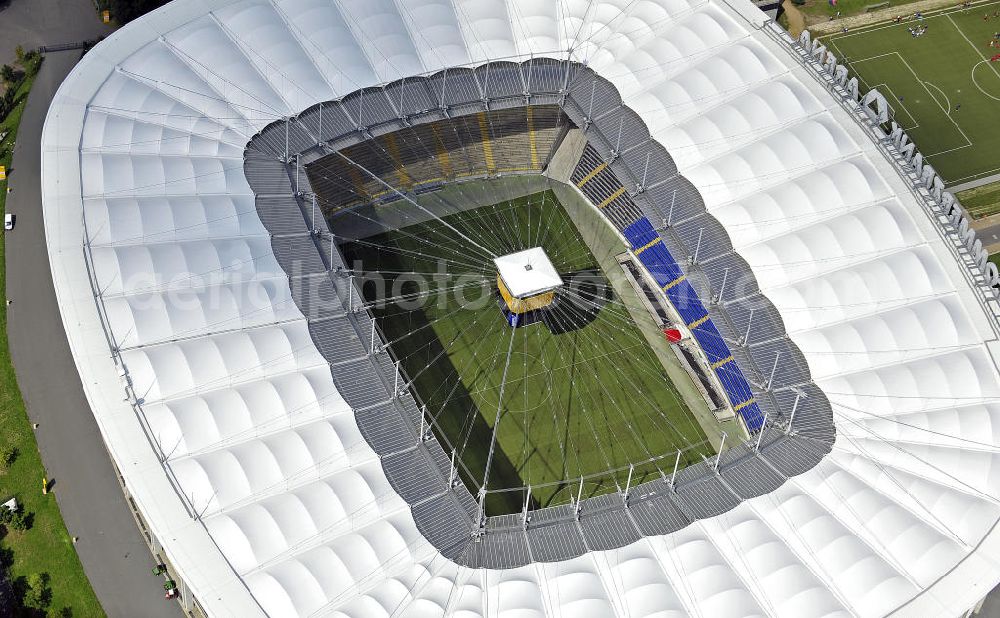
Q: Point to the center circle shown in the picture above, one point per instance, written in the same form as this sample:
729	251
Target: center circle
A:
524	367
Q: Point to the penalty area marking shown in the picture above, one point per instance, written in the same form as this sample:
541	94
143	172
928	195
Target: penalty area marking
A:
913	124
968	142
945	108
976	83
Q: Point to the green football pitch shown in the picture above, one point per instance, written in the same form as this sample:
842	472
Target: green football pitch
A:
943	88
578	394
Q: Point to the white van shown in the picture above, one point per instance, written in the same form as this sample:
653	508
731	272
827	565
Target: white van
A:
8	221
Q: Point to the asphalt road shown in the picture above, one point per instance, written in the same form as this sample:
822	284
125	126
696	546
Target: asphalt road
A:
989	234
33	23
113	553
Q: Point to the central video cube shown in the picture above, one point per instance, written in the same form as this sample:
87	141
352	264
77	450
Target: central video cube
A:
527	282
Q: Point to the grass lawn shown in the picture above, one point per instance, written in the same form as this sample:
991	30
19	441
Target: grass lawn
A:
46	548
942	87
982	201
584	394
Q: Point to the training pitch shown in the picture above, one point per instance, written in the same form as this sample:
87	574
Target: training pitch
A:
941	85
583	393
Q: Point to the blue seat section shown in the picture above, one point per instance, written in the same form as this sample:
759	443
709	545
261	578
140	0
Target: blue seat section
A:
753	417
736	385
660	264
711	341
683	297
655	256
640	233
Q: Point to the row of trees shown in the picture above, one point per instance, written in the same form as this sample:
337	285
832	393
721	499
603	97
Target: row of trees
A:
24	596
11	77
31	595
124	11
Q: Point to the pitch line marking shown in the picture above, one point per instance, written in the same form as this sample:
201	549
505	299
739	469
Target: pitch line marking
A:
875	57
973	46
976	84
917	77
833	43
944	12
975	176
946	110
852	63
941	152
913	120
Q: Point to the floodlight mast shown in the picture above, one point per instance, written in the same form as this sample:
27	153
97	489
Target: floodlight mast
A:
722	287
761	434
524	512
722	443
628	483
697	248
774	368
395	386
791	418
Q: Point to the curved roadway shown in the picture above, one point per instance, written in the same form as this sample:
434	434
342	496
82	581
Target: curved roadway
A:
111	548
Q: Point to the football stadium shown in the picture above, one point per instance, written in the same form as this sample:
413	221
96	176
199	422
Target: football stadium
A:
468	308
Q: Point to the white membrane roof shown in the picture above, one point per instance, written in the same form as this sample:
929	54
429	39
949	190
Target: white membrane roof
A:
289	510
527	273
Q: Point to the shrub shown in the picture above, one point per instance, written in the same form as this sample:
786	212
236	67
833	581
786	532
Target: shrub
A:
37	593
32	62
20	520
16	520
8	456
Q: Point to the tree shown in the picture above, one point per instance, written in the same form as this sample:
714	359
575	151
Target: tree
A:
7	73
7	102
19	52
37	593
124	11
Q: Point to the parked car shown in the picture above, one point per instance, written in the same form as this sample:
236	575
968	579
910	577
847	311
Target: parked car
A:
8	221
